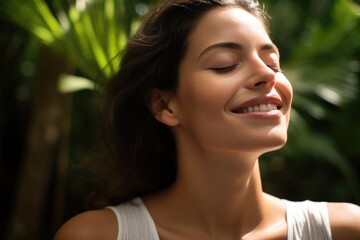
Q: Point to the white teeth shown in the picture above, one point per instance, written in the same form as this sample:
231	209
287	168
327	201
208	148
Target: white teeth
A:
261	108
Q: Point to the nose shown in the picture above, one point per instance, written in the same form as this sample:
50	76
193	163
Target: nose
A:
262	75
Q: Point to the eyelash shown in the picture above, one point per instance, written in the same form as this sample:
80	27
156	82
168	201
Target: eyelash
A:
224	69
275	68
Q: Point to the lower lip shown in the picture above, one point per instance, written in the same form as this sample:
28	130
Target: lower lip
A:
274	114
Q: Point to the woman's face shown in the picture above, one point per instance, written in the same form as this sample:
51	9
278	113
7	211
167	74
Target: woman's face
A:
232	95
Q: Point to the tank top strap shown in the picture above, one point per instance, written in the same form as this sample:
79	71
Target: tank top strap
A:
134	221
307	220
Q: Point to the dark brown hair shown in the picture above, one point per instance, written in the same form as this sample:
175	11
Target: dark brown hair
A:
142	151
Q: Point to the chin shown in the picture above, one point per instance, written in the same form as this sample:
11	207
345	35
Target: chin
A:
276	138
276	144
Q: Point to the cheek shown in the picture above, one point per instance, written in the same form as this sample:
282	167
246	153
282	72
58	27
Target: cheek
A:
202	100
204	95
284	88
287	91
198	102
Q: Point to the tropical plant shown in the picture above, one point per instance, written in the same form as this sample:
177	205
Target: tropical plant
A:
319	42
321	48
88	34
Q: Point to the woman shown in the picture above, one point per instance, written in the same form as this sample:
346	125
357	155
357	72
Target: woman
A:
199	98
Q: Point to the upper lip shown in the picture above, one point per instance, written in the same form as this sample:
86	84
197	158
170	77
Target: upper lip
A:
269	99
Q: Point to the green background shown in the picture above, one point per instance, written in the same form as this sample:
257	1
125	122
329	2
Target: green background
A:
52	53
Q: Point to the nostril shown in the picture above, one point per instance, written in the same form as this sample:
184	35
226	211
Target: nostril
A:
272	83
260	83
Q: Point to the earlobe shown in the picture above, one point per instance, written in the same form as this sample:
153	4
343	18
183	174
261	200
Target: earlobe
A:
159	104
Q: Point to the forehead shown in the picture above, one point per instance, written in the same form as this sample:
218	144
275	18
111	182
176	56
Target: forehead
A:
225	24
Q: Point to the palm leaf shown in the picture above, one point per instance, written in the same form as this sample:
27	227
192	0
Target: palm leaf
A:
89	35
323	71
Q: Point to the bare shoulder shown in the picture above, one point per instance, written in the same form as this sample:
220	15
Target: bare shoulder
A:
91	225
344	221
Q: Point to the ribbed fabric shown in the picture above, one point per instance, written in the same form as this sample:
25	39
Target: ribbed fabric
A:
134	221
305	221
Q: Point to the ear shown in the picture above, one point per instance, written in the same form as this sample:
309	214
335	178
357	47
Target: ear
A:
159	104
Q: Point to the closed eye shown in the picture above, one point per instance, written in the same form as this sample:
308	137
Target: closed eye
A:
275	68
224	69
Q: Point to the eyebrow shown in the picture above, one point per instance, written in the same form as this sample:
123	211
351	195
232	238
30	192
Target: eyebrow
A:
228	45
270	47
237	46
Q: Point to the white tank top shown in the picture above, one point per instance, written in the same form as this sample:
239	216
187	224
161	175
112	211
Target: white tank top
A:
305	221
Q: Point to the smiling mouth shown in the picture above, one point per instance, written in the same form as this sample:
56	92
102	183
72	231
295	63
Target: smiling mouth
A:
258	108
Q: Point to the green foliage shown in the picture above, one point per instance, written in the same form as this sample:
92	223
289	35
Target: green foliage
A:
88	33
321	47
70	83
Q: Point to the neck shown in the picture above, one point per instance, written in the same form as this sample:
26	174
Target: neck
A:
219	193
226	192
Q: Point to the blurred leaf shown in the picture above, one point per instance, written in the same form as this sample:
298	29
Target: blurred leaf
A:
89	34
322	62
333	81
71	83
